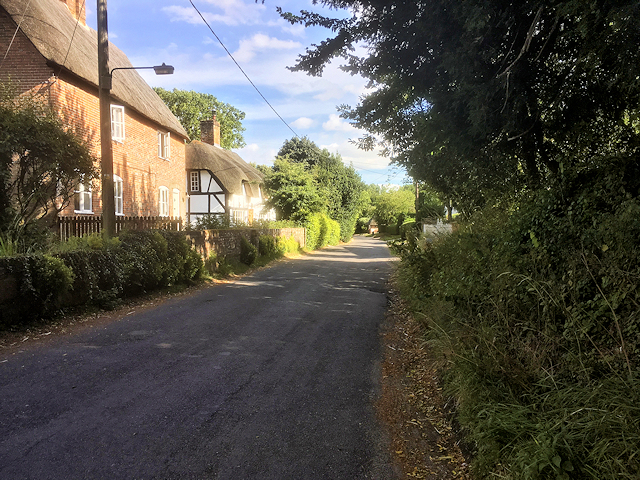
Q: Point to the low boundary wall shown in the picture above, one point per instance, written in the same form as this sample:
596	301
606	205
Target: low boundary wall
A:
226	242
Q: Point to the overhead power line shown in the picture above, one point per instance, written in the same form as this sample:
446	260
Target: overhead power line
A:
15	33
243	72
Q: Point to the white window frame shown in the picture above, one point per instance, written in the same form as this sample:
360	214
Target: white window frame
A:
194	182
175	203
163	201
84	198
164	145
117	123
118	198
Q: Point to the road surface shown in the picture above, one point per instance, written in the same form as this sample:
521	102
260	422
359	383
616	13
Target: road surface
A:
272	376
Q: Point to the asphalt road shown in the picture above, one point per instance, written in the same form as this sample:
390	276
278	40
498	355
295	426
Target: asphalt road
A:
270	377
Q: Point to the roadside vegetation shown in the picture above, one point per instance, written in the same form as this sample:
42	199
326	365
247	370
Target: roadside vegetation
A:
524	117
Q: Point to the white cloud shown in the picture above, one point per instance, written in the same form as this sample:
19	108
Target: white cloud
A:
227	12
303	123
336	123
262	43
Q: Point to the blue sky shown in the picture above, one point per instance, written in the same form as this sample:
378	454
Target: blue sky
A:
154	31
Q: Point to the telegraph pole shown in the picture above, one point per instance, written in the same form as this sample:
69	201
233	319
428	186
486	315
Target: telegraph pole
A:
106	155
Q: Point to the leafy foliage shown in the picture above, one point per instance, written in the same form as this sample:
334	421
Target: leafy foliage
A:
536	310
484	98
330	187
41	162
192	107
41	283
291	190
248	251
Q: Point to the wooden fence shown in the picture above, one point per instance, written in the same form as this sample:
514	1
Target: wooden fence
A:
80	225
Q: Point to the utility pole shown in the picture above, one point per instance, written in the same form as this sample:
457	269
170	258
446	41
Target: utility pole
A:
106	155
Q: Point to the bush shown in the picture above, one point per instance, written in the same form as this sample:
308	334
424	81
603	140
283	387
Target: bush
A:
321	231
248	251
287	245
182	263
42	281
267	245
99	277
535	307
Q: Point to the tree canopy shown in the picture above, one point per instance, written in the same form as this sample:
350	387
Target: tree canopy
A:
485	97
192	107
338	188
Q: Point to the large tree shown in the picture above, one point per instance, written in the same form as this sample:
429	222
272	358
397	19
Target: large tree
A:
41	162
192	107
488	96
339	186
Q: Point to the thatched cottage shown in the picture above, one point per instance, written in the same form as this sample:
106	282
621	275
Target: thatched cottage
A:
54	54
219	182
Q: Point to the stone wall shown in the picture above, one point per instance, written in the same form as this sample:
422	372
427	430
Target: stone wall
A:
226	242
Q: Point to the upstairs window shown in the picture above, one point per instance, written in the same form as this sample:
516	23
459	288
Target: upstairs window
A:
82	199
117	123
163	201
194	182
163	145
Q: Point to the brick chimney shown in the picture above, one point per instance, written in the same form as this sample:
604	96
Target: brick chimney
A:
77	9
210	131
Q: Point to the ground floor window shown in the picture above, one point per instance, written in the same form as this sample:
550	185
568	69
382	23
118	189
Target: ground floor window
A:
163	201
117	195
82	199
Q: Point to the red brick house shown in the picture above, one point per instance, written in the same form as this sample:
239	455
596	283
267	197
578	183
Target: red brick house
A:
46	48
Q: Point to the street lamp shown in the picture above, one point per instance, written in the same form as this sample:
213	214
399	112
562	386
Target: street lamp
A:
106	152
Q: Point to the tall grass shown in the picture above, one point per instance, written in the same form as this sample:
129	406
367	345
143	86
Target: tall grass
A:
536	312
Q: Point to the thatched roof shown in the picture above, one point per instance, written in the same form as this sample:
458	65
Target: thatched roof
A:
227	166
49	25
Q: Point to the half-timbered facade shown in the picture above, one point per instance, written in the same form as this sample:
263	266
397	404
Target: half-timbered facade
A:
220	182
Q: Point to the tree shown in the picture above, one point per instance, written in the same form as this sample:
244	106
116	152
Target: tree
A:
291	190
41	162
301	150
192	107
486	97
339	187
391	203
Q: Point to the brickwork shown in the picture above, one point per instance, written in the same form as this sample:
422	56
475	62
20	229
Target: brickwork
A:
135	160
24	65
77	9
210	131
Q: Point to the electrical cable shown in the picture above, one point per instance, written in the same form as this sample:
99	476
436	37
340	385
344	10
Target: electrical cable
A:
15	33
243	72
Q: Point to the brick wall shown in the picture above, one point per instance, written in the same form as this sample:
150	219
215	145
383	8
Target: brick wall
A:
135	160
227	242
23	64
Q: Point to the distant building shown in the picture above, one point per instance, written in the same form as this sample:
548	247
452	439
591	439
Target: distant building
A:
220	182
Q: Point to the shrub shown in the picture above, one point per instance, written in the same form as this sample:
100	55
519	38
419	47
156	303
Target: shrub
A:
182	263
248	251
535	306
41	282
321	231
287	245
99	277
267	245
142	254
